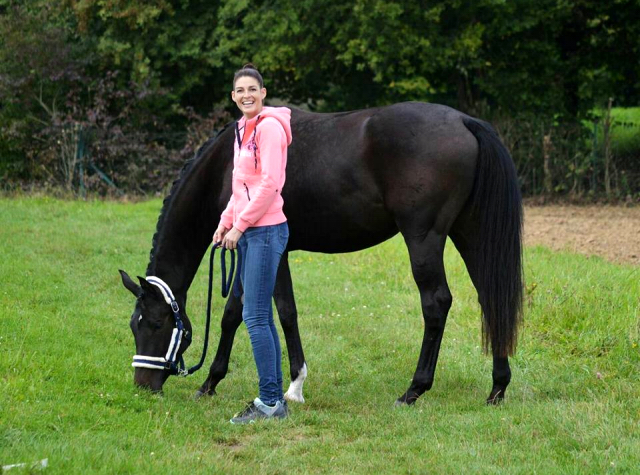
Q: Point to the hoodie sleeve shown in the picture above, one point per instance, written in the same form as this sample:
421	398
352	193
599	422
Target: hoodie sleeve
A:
226	218
272	142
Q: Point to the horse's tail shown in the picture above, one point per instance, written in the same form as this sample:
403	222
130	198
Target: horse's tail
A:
495	207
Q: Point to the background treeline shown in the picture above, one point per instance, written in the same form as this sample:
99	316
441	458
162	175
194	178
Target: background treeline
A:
115	94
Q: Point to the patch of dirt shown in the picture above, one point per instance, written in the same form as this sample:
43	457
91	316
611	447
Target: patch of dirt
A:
612	232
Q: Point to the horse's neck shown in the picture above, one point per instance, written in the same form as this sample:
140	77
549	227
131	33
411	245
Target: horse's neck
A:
176	262
188	224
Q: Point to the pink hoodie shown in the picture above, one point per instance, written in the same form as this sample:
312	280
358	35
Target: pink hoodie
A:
259	170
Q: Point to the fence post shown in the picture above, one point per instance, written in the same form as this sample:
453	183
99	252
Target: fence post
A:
546	164
607	149
80	154
594	155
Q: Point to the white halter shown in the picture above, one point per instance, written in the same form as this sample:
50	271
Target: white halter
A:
167	362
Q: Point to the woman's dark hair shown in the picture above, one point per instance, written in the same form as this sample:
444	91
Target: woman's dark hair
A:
248	70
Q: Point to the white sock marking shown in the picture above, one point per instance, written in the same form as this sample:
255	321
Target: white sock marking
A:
294	394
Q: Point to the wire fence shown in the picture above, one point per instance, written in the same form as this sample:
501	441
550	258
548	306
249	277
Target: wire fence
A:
587	159
108	161
592	159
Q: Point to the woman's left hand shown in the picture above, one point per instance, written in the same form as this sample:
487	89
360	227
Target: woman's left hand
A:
230	240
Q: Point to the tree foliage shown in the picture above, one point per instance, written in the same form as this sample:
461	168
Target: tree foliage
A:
547	61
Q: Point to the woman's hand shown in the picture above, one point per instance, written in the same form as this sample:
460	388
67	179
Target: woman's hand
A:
220	233
230	239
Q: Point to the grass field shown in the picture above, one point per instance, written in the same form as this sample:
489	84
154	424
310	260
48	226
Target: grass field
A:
626	124
625	128
67	394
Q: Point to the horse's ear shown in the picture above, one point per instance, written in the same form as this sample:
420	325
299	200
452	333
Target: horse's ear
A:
129	284
150	289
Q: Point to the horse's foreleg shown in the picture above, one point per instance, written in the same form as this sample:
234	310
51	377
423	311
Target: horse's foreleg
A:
428	272
286	306
231	320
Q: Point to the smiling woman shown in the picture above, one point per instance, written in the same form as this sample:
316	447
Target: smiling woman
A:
254	222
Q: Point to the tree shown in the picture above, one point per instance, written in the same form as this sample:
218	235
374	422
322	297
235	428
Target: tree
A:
541	64
39	61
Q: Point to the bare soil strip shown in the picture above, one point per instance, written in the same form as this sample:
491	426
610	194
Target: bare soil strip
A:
612	232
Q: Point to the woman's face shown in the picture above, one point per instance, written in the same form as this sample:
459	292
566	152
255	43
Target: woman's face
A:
248	96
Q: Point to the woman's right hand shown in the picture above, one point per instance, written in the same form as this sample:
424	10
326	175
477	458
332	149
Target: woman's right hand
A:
220	233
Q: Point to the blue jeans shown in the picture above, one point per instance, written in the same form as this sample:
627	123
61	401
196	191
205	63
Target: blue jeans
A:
261	249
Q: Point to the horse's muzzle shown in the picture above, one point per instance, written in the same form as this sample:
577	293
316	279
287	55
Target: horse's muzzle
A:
152	379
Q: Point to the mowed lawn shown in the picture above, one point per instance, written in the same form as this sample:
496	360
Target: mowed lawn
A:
67	393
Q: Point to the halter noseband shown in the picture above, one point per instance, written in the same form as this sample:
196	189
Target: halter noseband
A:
168	362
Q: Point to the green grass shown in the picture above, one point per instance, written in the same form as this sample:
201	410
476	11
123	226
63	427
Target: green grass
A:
66	389
625	130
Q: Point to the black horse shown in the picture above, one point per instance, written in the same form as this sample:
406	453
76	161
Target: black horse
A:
355	179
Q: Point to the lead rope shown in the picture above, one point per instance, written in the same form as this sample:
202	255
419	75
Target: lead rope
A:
225	288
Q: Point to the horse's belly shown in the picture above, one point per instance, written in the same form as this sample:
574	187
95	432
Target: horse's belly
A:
334	231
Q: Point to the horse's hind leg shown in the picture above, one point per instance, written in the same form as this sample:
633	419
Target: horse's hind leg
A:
501	378
464	242
286	305
426	254
231	320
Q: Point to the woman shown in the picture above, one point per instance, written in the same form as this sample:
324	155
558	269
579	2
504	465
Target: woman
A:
254	223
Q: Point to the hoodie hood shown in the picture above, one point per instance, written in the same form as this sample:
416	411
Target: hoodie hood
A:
281	114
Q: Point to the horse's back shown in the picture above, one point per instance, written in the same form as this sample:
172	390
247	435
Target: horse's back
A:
353	177
425	161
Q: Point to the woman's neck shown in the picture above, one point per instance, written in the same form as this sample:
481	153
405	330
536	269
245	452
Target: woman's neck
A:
247	118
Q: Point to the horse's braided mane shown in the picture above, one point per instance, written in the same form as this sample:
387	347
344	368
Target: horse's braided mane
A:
167	200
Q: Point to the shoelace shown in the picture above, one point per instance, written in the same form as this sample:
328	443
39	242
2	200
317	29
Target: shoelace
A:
247	410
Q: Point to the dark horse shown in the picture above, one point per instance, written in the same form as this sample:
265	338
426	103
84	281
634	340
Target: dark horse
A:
355	179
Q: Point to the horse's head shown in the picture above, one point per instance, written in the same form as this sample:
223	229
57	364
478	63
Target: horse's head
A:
153	324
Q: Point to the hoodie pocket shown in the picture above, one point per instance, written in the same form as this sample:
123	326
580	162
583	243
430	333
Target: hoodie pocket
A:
247	190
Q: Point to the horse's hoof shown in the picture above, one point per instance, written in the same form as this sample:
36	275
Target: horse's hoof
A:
293	397
495	399
198	394
405	401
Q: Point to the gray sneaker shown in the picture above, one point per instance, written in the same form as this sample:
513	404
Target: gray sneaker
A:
258	410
